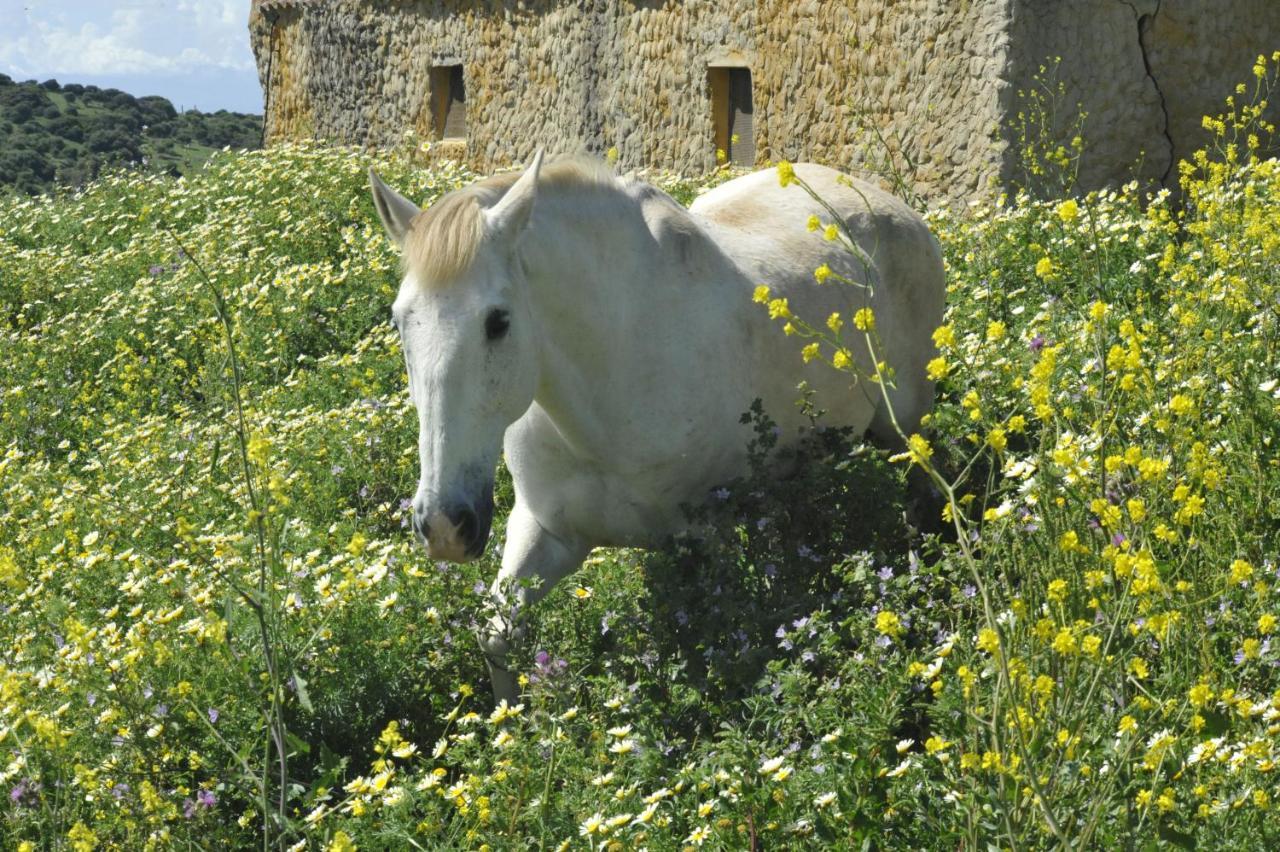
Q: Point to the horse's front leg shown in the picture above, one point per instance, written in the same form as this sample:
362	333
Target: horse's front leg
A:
533	561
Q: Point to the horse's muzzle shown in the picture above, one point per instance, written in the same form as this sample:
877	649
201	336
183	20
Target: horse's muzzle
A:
460	533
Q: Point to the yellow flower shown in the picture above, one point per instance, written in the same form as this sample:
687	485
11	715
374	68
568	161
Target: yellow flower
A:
995	331
841	360
82	838
582	593
1068	211
919	449
786	174
342	842
937	369
822	273
888	623
988	640
810	352
830	232
1200	695
835	323
1057	590
1241	571
944	336
864	320
259	448
1098	311
1044	268
1069	541
761	294
1266	623
1137	509
814	223
997	439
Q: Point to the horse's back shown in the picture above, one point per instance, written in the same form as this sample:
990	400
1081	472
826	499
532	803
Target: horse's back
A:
763	226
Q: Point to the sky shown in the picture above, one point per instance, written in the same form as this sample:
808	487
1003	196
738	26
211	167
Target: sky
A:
193	52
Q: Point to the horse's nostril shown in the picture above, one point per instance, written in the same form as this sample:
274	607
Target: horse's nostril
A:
465	521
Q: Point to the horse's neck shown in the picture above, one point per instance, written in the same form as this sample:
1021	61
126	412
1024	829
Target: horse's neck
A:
627	288
580	257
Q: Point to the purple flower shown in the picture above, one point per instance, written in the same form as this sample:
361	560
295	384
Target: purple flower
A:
206	799
1118	539
188	808
969	590
770	570
213	715
1037	343
885	573
478	588
120	790
721	493
156	271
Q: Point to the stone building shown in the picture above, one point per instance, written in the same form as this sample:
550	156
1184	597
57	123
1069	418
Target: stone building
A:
667	83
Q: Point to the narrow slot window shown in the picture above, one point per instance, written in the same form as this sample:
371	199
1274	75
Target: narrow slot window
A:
733	115
449	101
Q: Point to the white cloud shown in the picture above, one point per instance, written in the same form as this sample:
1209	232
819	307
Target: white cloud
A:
141	37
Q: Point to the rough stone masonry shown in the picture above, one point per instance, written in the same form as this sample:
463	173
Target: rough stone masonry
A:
668	83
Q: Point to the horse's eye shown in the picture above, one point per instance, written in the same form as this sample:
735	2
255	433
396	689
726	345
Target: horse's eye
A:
496	324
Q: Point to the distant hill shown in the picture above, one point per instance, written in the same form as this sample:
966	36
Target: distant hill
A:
55	134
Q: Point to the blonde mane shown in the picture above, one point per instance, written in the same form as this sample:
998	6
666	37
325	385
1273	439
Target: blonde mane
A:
443	239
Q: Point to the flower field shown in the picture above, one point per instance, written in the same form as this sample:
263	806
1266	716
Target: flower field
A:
218	632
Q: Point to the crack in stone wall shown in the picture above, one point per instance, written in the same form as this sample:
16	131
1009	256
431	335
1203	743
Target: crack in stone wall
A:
1145	23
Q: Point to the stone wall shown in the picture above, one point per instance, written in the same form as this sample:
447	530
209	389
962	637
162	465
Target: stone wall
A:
937	79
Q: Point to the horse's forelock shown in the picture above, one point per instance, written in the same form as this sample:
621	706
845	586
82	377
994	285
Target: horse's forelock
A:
444	238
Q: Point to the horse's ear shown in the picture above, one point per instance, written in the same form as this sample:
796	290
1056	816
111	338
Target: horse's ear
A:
511	214
395	211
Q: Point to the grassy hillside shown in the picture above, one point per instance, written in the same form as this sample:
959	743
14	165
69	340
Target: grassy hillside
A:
218	635
54	134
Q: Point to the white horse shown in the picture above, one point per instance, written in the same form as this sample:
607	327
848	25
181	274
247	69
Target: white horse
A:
607	339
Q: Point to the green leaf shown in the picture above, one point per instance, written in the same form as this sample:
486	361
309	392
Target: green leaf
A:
300	687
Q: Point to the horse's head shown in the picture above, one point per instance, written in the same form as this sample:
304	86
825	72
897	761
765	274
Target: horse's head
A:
469	343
